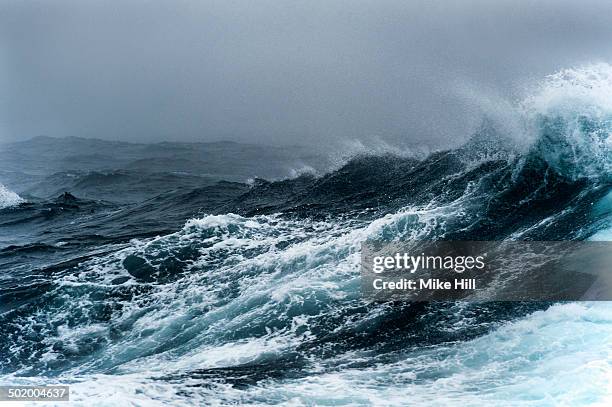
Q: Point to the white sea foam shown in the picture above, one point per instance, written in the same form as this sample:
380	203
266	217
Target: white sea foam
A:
572	111
560	356
8	198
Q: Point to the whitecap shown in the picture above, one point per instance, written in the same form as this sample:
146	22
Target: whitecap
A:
8	198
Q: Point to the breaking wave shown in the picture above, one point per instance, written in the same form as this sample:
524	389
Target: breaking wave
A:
8	198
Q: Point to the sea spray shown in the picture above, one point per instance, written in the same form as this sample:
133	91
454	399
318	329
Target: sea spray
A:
8	198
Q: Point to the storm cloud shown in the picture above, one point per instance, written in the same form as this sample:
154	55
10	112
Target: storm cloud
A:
280	72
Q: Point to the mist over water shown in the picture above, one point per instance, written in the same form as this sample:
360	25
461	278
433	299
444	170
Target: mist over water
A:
317	73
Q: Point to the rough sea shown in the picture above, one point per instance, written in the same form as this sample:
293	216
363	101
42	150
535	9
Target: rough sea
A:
241	293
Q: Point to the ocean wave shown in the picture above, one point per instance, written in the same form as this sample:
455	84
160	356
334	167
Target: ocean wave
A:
570	115
261	304
8	198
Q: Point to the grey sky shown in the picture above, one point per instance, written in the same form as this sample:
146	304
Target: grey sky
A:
279	71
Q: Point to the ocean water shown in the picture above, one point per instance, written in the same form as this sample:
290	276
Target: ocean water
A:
256	299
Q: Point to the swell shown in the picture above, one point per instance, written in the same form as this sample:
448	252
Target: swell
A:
264	287
289	265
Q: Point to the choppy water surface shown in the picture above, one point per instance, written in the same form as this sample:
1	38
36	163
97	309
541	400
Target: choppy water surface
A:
249	294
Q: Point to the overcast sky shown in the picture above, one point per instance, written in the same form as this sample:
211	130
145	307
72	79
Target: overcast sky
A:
280	71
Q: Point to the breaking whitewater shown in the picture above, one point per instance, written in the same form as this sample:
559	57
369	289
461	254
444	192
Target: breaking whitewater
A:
258	301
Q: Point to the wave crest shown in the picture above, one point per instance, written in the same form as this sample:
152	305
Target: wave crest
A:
570	114
8	198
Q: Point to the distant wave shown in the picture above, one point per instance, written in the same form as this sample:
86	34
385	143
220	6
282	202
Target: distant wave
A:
8	198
